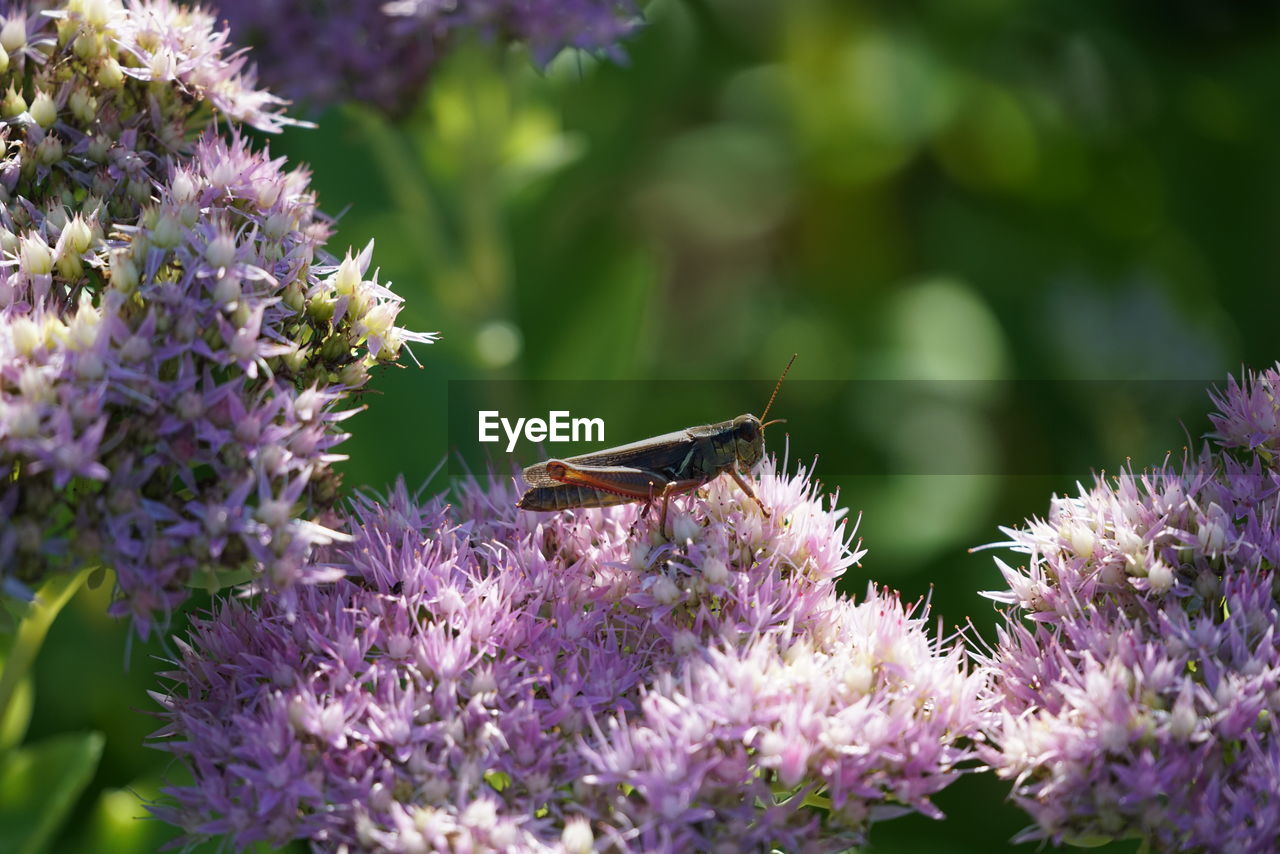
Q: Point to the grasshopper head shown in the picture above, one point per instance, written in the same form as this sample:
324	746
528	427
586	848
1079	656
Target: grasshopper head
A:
748	441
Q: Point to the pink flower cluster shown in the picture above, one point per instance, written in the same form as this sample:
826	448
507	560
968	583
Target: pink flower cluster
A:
174	341
486	679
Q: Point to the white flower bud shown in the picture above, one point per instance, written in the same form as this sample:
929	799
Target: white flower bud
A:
82	105
859	677
43	110
55	331
90	366
1160	577
274	512
577	837
97	13
77	235
1183	719
684	642
354	375
34	256
227	291
124	273
665	591
110	75
715	571
348	277
22	420
278	225
190	405
221	251
379	320
26	335
13	35
135	349
684	528
1080	538
167	232
1129	541
183	188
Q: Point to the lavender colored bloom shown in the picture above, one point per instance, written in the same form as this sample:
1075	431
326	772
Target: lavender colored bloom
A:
1139	696
174	341
486	679
382	53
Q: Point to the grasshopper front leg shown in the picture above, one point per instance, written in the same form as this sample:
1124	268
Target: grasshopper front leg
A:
746	487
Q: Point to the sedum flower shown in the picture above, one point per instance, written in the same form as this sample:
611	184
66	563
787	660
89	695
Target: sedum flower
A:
174	350
486	679
1138	673
341	62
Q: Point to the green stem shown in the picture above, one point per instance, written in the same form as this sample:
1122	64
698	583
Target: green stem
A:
27	640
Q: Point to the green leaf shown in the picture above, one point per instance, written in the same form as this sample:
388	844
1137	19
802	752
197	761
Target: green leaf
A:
39	784
15	719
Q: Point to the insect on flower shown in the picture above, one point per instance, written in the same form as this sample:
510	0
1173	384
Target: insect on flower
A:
654	468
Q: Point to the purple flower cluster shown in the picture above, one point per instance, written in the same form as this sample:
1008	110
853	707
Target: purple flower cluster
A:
1138	672
382	52
174	340
491	680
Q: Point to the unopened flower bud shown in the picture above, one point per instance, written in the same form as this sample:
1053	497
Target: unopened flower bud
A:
110	75
124	273
715	571
278	225
83	106
97	149
294	296
77	235
43	110
347	278
13	35
49	151
1160	577
665	591
167	232
183	188
13	104
577	838
355	375
227	291
320	308
34	256
26	335
87	46
221	251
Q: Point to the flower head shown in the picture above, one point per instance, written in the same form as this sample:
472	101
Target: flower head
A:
173	348
487	678
1139	695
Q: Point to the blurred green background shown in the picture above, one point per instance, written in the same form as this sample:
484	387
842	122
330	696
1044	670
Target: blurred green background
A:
1037	195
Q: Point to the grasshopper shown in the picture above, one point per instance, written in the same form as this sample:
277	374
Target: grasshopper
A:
653	469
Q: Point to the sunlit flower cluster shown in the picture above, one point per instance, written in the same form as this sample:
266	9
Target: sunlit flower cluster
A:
1138	672
381	53
174	340
487	679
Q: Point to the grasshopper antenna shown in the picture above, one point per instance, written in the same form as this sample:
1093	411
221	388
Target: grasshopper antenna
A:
763	423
